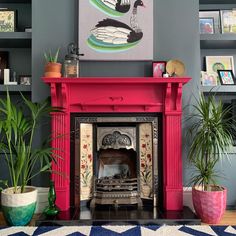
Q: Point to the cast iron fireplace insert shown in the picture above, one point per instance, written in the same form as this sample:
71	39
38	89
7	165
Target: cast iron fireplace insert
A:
110	124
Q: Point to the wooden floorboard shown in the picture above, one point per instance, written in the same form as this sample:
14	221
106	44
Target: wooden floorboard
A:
229	218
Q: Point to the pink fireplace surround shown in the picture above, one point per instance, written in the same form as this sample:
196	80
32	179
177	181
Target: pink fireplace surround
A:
120	95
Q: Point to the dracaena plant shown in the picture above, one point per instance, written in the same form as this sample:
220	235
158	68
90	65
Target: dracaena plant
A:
211	129
17	133
49	57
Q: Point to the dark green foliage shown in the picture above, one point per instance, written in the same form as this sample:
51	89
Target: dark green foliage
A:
17	132
211	138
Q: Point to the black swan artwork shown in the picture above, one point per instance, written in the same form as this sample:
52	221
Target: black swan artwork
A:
110	35
114	8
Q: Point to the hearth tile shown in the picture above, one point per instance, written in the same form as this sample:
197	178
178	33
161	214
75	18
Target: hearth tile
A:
101	215
120	216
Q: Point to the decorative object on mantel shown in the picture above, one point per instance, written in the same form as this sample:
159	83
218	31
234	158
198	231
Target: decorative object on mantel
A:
52	68
71	63
175	68
101	37
159	68
51	209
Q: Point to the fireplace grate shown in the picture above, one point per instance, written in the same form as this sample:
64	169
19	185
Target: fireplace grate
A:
110	190
111	184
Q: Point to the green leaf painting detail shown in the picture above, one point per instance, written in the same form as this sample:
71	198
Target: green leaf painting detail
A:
108	47
102	7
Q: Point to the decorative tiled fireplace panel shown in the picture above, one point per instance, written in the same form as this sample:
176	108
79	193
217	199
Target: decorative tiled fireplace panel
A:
86	161
146	156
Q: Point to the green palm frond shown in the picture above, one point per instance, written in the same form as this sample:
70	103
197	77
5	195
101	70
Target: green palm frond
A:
17	132
211	132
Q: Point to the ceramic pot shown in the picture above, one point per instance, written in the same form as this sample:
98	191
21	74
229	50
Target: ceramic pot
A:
18	209
146	190
52	69
209	205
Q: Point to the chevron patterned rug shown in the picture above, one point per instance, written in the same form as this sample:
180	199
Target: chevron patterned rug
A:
131	230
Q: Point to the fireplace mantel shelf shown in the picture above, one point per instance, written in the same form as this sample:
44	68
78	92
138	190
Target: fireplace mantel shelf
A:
130	94
112	95
115	80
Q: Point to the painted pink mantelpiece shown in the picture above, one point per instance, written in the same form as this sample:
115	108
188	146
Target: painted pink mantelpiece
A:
120	95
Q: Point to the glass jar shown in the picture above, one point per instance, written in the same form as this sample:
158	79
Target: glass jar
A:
71	66
71	63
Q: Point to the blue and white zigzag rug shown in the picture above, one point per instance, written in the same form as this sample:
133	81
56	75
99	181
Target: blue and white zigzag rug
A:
131	230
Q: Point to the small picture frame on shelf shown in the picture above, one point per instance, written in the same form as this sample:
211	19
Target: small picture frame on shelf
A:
215	63
3	65
25	79
215	15
7	20
159	68
208	79
206	25
226	77
228	21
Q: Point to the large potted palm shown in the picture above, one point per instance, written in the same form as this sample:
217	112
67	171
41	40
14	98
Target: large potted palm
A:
17	132
211	130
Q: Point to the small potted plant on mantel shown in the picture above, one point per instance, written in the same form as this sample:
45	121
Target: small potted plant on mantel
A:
17	132
210	130
52	67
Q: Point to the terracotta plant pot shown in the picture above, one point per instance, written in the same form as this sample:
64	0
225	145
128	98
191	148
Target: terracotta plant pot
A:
18	209
52	69
209	205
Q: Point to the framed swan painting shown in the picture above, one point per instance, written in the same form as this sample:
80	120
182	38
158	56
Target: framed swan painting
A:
116	29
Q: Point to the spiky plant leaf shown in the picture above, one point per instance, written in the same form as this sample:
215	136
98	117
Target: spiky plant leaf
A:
211	138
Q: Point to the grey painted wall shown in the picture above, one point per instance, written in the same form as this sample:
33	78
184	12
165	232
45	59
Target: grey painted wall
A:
175	36
53	26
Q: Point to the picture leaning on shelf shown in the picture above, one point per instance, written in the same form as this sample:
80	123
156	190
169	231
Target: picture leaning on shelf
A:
215	63
217	21
209	79
206	25
226	77
7	20
209	22
228	21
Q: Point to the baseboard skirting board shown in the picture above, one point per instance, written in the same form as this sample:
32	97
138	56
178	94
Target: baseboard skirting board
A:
42	200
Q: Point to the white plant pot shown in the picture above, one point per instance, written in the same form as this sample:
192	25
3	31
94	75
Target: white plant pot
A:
18	209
